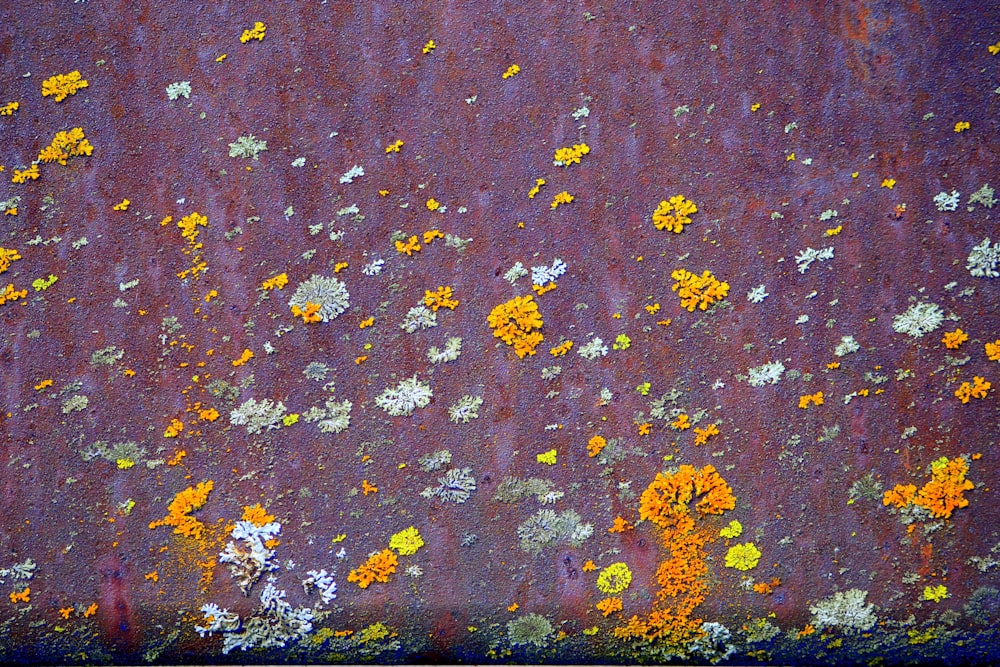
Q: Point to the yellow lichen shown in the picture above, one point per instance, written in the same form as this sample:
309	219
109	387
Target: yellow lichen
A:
406	542
61	86
743	556
698	291
672	215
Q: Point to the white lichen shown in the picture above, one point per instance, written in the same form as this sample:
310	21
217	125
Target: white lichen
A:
757	294
455	486
179	89
946	202
418	318
452	349
333	417
543	275
373	268
769	373
357	171
248	556
322	582
810	255
404	398
919	319
846	346
328	293
844	610
593	349
258	415
982	260
466	409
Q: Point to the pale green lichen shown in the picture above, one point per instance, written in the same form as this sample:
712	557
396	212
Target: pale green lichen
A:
546	528
404	398
529	630
456	486
247	147
982	260
465	410
435	460
847	345
106	356
919	319
846	611
75	403
769	373
258	415
452	350
179	89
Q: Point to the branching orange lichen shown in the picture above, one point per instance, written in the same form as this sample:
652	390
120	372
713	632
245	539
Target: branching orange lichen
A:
620	525
682	423
683	577
180	508
245	357
277	282
941	495
698	291
22	596
367	487
515	322
10	294
378	567
432	234
25	175
978	389
173	429
701	435
608	606
993	350
561	198
439	298
542	289
674	214
562	348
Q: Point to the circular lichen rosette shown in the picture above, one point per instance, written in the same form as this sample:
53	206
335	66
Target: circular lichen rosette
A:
326	292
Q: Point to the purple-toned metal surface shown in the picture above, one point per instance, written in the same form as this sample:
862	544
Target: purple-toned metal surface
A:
794	128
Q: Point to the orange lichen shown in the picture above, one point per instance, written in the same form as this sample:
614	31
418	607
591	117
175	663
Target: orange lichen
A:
432	234
439	298
411	246
993	350
174	428
378	567
542	289
595	445
698	291
941	495
815	399
515	321
8	256
22	596
608	606
978	389
589	566
177	458
25	175
64	612
61	86
208	414
277	282
245	357
180	508
66	145
561	198
90	611
11	294
645	428
257	515
701	435
561	349
367	487
672	215
309	314
954	339
683	577
766	588
682	423
620	525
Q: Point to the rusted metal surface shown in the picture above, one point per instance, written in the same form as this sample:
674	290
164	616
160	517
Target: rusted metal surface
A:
766	116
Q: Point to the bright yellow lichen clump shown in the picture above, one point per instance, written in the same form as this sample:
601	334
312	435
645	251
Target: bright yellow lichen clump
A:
674	214
515	323
743	556
614	579
378	567
66	145
570	155
258	31
11	294
62	86
406	542
698	291
180	508
277	282
940	496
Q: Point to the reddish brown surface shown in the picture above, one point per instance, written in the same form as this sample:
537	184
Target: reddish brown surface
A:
855	77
